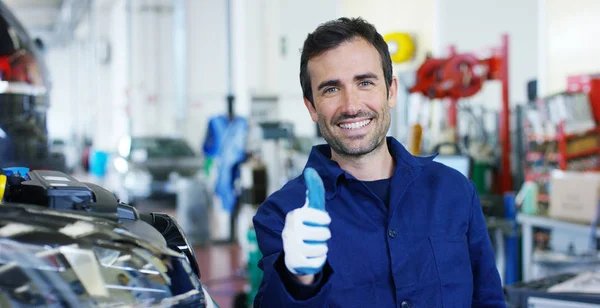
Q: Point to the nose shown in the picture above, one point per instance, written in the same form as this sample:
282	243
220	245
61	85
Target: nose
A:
351	102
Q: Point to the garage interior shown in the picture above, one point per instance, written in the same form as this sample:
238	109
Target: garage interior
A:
194	109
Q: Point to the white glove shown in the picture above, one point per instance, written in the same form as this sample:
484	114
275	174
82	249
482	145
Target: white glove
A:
304	237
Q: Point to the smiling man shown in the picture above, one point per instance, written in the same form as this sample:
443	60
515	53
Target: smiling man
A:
399	230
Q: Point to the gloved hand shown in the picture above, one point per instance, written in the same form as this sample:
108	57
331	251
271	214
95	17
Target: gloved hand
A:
306	230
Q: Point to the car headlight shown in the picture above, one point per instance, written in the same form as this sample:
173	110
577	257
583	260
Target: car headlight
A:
138	181
121	165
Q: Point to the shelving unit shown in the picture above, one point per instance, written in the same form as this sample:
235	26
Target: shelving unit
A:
564	151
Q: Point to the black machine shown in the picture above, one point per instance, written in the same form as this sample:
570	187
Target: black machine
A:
24	98
69	243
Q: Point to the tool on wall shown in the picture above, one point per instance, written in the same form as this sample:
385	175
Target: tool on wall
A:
401	45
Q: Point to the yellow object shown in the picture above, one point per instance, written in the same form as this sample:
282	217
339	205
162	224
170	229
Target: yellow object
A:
2	186
415	144
401	45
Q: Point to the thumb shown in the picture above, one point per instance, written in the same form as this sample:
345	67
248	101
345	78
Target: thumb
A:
315	191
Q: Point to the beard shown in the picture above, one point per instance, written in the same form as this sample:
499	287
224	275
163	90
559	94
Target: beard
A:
356	145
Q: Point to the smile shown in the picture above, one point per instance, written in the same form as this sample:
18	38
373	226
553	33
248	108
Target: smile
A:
355	125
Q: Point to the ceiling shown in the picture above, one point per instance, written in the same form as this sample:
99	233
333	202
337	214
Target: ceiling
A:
54	21
39	17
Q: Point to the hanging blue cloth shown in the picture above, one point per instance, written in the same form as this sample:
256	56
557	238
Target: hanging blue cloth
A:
226	142
217	126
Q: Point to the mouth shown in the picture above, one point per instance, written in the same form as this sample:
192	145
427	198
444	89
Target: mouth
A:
355	125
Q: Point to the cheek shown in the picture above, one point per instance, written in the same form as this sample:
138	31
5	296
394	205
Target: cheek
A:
326	113
375	100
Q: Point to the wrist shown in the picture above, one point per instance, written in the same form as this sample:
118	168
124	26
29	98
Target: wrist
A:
305	279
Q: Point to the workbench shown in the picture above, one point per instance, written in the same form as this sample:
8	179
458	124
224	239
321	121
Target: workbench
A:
500	230
569	235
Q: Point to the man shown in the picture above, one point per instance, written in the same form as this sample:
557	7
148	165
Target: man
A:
399	230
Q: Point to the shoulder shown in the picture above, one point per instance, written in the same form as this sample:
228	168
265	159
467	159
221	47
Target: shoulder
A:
442	177
431	174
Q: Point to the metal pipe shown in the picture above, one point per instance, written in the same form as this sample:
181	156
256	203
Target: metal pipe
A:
129	61
180	63
230	94
506	173
453	108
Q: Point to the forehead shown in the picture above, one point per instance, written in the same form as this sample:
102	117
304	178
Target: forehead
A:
356	56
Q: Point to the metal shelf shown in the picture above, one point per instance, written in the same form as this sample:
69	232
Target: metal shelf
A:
528	222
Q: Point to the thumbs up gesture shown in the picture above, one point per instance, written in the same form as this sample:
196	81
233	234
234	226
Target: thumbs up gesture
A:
306	230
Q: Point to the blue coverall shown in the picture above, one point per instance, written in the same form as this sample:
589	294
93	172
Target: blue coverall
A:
430	249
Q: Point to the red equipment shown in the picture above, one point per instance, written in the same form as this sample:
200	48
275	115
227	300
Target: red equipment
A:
459	75
589	84
428	78
462	75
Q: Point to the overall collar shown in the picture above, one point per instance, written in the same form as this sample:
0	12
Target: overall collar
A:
407	166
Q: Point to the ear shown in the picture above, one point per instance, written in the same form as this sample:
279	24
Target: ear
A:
311	110
393	95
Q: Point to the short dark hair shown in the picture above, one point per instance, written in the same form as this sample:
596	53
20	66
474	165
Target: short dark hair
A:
333	33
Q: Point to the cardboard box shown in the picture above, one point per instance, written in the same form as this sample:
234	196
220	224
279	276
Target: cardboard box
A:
574	195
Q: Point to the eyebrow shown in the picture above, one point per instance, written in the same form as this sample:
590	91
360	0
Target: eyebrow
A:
327	83
365	76
336	82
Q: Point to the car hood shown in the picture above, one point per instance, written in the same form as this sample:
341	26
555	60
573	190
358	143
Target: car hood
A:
39	225
81	260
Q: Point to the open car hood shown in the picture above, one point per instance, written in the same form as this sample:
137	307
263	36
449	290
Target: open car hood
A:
74	259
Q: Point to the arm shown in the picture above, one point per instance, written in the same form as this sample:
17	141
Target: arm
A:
487	288
279	287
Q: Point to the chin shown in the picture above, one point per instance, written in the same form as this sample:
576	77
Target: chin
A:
358	145
357	148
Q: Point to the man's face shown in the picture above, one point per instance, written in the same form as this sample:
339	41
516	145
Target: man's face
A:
352	106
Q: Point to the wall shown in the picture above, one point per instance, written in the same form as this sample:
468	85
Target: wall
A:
263	46
272	39
476	25
273	34
60	97
90	78
71	98
151	88
108	74
573	29
415	17
139	72
138	79
294	22
115	61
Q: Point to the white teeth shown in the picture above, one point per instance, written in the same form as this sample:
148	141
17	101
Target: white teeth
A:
355	125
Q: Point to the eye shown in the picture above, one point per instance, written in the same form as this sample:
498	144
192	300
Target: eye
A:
365	83
330	90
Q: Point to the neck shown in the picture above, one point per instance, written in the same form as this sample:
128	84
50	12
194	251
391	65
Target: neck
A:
376	165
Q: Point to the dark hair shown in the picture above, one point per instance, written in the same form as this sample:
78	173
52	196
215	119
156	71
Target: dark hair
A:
333	33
